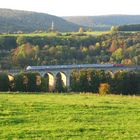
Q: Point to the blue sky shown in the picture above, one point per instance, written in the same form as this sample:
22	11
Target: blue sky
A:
75	7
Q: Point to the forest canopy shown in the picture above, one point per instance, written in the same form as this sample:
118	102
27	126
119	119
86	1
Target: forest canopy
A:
20	51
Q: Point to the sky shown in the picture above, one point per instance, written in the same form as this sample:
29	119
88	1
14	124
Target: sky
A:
75	7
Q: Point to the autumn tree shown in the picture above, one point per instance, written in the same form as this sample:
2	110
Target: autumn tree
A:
24	55
113	47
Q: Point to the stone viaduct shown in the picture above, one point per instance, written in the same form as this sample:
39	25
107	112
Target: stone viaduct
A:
65	71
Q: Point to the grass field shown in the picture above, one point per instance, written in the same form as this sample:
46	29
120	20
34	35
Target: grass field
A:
53	34
69	117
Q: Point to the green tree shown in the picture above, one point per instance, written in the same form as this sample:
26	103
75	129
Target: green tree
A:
59	87
94	81
44	87
4	82
21	40
118	55
74	81
32	85
83	81
19	84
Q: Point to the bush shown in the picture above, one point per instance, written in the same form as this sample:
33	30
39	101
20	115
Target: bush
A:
104	89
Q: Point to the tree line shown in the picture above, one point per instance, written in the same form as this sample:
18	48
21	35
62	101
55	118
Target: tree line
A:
120	82
131	27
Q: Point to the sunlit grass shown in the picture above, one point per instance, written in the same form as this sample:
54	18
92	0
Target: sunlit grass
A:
64	116
56	34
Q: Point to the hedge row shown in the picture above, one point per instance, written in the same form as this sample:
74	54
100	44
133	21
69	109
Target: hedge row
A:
121	82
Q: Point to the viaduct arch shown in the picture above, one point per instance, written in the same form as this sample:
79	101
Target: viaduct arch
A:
52	78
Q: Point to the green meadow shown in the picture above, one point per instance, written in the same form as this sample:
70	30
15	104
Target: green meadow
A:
69	117
53	34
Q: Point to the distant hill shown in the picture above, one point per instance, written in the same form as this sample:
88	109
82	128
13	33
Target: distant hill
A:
15	20
104	22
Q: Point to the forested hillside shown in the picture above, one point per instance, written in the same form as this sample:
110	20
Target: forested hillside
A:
15	20
104	22
20	51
